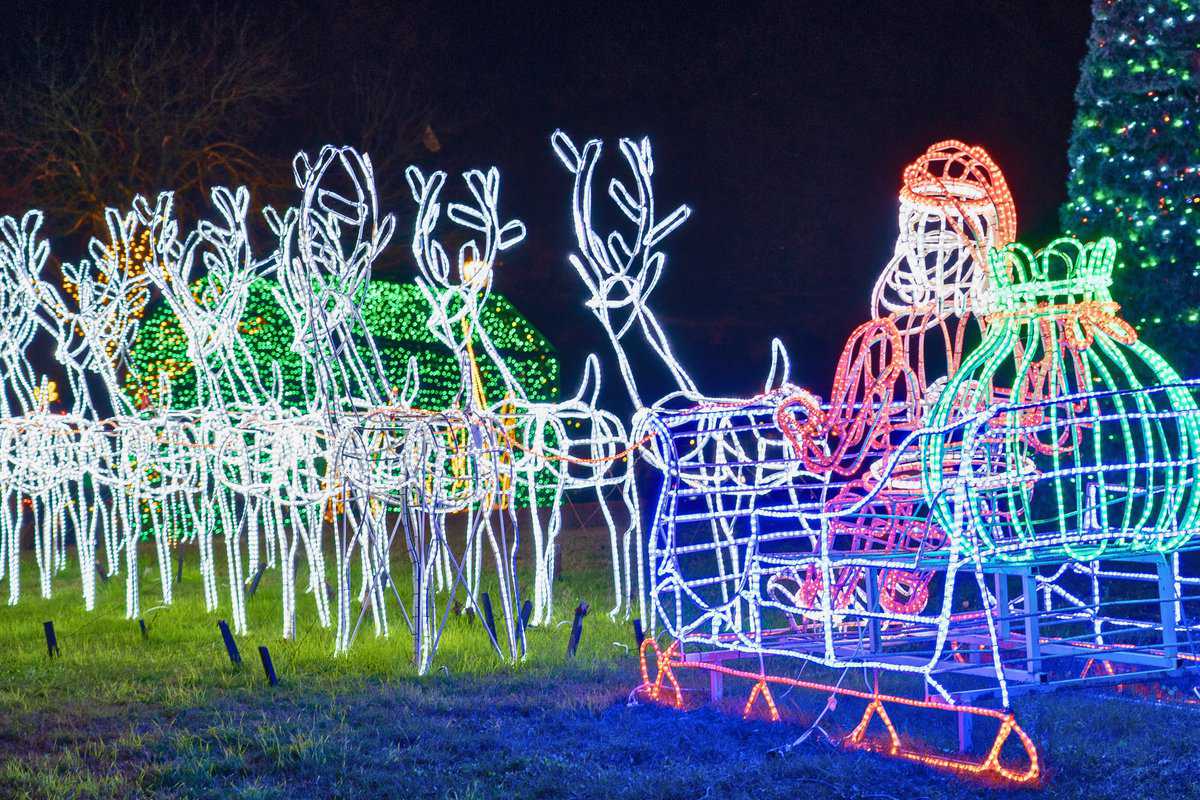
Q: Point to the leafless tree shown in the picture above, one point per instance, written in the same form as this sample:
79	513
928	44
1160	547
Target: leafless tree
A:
143	102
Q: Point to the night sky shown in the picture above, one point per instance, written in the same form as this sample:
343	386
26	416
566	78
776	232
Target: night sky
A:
784	125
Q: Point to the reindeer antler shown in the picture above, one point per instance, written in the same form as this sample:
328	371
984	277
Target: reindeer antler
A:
330	264
22	255
476	256
620	274
323	271
210	318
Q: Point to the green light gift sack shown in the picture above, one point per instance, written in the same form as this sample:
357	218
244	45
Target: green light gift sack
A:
1091	445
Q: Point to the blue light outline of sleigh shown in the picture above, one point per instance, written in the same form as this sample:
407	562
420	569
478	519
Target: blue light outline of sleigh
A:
722	479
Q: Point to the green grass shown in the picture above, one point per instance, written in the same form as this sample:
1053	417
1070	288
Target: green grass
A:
117	716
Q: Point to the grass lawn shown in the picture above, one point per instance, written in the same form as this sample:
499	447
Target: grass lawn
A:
119	716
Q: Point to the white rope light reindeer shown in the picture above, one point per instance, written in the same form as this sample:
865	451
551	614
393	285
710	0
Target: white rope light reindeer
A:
620	273
557	446
326	251
20	251
471	437
91	340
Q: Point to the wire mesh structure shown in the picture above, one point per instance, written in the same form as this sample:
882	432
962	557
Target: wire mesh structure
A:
747	568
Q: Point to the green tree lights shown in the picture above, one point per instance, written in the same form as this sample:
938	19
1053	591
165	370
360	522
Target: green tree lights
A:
395	313
1135	156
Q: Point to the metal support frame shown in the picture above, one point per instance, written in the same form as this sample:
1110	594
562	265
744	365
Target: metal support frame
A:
1168	603
873	625
1003	620
1020	633
1032	627
966	731
716	686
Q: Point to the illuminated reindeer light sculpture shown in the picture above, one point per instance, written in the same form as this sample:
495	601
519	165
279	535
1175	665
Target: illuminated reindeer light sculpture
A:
239	465
620	273
326	251
468	438
90	340
22	253
558	446
209	308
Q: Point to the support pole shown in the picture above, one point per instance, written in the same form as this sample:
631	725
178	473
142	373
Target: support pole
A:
1003	620
1167	601
965	731
1033	636
873	607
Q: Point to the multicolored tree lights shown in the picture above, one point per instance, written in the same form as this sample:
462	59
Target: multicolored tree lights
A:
1135	163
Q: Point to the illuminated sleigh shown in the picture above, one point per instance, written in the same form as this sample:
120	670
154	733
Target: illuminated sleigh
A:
1064	508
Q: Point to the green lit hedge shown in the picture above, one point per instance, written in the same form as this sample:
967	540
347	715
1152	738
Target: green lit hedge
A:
394	313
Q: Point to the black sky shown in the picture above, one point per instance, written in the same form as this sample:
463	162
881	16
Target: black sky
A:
784	125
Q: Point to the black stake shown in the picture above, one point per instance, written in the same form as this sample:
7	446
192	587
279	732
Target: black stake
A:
230	644
100	571
179	569
577	628
51	640
145	633
638	633
526	610
257	577
489	622
268	667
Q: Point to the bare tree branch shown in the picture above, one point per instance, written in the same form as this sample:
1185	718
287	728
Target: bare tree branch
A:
146	103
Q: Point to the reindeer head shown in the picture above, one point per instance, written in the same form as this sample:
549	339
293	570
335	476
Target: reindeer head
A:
329	244
109	294
22	257
210	314
620	273
457	296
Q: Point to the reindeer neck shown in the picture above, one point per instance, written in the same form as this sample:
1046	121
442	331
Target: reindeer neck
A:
653	337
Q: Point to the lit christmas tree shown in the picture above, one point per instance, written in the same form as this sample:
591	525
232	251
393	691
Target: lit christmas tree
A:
1134	156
